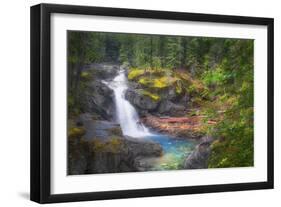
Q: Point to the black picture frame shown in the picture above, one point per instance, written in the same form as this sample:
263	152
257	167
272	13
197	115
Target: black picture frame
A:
41	98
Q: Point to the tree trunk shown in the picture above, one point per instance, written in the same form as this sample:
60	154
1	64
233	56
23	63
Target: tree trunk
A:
151	52
183	52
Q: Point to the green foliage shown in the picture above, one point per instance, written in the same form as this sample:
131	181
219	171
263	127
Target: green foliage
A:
174	49
235	149
215	77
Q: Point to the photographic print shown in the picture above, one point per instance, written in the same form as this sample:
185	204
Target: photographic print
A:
142	102
130	103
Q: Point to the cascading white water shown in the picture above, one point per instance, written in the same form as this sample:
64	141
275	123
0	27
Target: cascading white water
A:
126	114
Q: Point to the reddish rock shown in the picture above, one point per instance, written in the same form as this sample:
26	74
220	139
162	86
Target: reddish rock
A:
184	127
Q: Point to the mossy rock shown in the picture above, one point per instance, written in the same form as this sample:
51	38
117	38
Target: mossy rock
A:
152	96
116	131
143	99
113	145
145	81
193	134
86	76
161	82
76	132
135	73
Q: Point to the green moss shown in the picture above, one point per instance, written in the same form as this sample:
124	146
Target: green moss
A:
97	145
85	76
76	132
178	89
145	81
135	73
113	145
116	131
157	82
162	82
153	96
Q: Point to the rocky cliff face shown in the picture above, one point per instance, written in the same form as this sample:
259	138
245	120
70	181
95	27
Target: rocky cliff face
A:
117	154
103	149
103	71
148	105
124	158
96	97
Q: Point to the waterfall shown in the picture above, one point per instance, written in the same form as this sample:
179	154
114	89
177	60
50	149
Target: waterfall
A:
127	115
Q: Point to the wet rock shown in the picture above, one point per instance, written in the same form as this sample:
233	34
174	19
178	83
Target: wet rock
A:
98	128
124	156
143	147
98	98
198	159
103	71
107	162
141	101
77	165
168	108
169	94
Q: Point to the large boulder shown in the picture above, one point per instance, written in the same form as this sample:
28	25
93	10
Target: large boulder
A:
103	71
98	128
141	101
123	156
103	149
169	108
169	93
142	147
198	159
98	98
